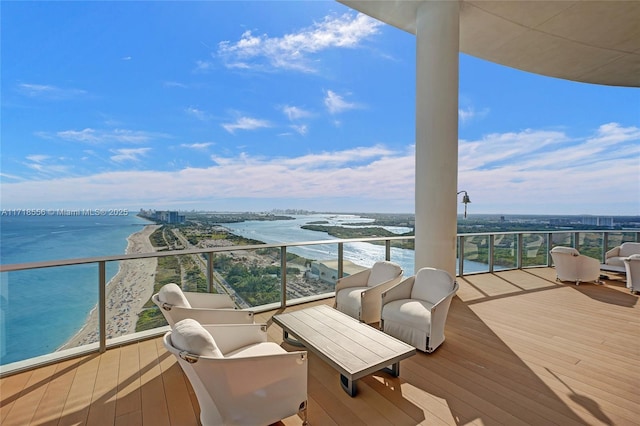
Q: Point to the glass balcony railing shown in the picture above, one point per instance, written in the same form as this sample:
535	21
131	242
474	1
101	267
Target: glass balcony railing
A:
112	294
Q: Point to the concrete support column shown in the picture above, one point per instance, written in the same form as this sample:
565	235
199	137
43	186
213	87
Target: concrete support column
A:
437	47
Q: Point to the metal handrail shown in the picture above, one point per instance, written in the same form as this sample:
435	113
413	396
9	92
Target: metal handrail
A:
101	261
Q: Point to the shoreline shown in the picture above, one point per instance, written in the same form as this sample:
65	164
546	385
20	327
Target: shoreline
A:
126	293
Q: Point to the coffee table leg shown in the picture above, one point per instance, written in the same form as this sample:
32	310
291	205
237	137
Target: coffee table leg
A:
394	370
290	340
349	386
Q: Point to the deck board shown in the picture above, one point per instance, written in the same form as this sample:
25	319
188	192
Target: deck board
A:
520	348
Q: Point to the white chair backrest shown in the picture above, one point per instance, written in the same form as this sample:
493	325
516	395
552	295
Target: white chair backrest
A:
188	335
565	250
628	249
383	271
432	285
173	295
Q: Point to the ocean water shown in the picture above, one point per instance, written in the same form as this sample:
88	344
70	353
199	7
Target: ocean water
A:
42	309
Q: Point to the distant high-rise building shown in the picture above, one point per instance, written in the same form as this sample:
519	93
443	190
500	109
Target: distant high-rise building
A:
171	217
597	221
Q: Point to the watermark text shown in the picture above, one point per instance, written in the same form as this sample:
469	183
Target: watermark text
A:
64	212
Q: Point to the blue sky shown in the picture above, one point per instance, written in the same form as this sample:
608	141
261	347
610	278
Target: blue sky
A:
235	106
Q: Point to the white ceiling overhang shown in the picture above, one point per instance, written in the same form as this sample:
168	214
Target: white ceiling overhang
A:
581	40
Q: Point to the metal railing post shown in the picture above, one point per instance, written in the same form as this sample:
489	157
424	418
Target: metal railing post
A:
490	252
210	272
340	260
605	246
549	242
387	250
283	276
102	305
461	255
519	247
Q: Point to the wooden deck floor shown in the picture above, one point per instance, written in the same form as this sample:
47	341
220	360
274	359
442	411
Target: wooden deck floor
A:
520	349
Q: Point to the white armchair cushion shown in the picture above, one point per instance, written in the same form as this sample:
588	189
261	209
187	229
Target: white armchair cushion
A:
188	335
265	348
383	271
432	293
414	313
173	295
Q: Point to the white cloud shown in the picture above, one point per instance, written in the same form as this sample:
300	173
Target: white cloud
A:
295	113
336	104
301	129
85	135
246	123
532	171
468	114
128	154
49	92
203	66
46	165
352	173
38	158
197	113
538	171
197	146
292	51
89	135
174	84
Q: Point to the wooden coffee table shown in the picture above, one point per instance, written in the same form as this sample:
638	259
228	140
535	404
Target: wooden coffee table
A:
351	347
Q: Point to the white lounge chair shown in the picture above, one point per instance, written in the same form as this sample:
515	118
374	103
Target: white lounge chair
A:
359	295
617	255
415	311
572	266
238	377
206	308
632	266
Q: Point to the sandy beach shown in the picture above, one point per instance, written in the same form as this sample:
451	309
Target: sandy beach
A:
126	293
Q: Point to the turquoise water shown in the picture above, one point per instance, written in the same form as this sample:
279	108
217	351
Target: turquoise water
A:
365	254
289	231
42	309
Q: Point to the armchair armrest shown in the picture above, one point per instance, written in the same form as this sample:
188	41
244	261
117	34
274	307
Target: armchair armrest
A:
212	316
614	252
371	300
359	279
230	337
209	300
439	313
400	291
440	310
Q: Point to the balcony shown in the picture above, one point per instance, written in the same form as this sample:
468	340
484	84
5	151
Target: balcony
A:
521	348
